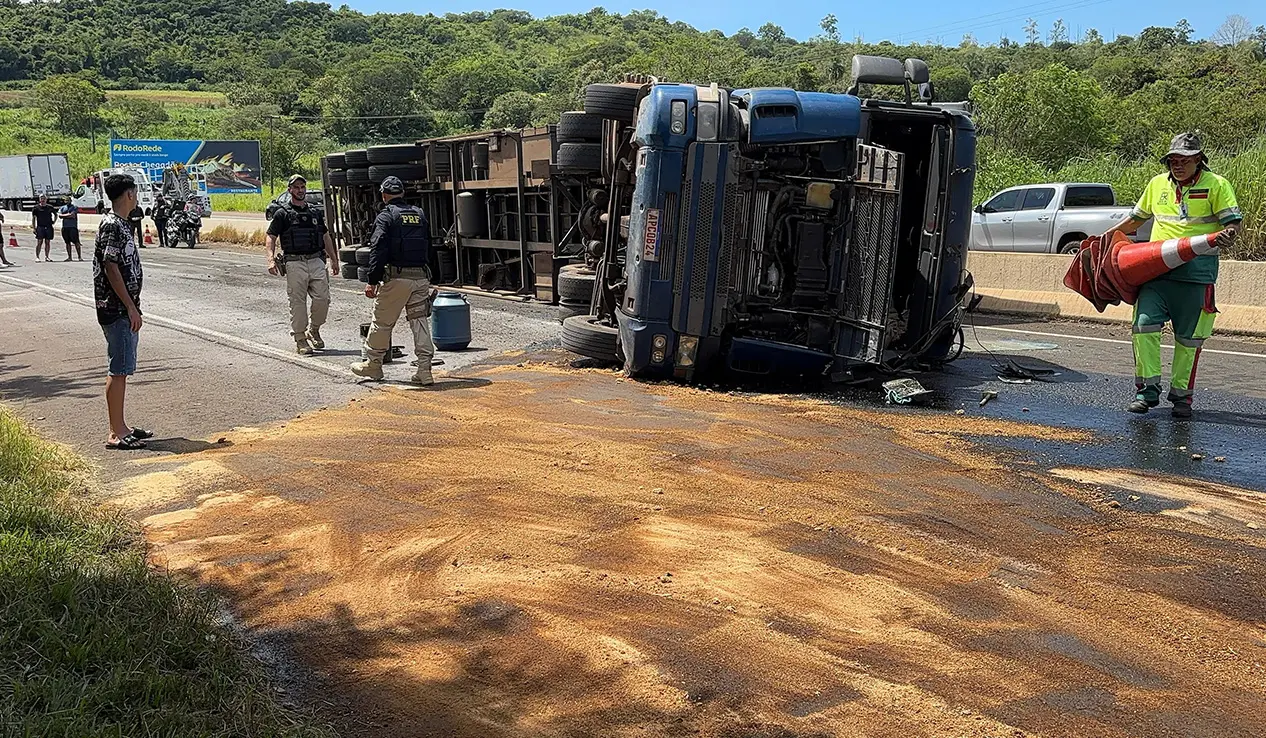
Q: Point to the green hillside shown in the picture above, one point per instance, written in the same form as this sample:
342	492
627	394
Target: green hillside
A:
309	78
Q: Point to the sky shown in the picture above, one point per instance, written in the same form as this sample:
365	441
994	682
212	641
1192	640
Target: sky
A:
911	20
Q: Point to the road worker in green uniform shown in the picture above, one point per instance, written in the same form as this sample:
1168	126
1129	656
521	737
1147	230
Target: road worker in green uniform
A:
1188	200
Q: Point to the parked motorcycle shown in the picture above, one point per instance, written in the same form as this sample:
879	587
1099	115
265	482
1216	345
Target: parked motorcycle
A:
185	226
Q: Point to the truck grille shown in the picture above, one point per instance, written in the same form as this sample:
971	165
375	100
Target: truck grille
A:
871	255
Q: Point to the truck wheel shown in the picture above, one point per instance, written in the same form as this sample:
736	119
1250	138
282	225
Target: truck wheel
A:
580	156
335	161
362	273
577	126
567	309
356	159
336	178
575	283
362	255
349	271
583	335
347	255
358	176
395	154
617	102
406	172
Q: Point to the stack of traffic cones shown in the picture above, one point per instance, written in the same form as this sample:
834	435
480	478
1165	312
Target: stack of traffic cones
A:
1113	274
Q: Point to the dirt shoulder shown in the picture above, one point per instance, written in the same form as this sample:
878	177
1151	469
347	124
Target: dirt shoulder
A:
538	550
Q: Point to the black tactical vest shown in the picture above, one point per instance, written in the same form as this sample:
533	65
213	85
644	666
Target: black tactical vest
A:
304	234
415	234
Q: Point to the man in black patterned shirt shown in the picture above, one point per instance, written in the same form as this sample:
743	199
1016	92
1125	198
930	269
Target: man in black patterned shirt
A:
116	282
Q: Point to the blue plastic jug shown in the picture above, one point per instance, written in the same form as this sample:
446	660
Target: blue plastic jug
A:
450	321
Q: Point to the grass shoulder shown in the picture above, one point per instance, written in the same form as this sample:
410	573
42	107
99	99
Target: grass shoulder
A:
95	642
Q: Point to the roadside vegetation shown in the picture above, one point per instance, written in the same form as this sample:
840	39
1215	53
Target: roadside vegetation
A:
308	79
95	643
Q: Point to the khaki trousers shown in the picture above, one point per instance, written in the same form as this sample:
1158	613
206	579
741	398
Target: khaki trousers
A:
412	296
304	279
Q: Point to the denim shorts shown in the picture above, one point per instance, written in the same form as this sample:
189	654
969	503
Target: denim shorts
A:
121	347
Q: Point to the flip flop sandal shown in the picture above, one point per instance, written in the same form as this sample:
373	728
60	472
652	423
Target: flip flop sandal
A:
142	434
128	443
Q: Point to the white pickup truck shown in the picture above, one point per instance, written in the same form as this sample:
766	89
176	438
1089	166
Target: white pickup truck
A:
1047	218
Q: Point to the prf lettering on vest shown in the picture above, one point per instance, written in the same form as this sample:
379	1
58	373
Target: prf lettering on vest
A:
410	218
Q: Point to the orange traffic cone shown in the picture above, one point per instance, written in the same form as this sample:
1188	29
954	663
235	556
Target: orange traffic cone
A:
1134	264
13	239
149	238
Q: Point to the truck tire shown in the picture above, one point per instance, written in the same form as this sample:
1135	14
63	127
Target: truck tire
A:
350	271
335	161
406	172
347	255
617	102
583	335
575	283
358	176
356	159
362	273
336	178
362	255
571	309
577	126
585	157
395	154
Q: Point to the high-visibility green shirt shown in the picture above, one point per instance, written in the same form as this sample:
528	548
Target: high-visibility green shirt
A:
1206	206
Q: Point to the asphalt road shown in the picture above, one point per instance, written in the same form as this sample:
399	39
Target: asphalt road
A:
215	352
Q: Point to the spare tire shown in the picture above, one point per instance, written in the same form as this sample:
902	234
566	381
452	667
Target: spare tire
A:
356	159
580	156
583	335
362	273
347	255
617	102
362	255
395	154
570	310
358	176
405	172
575	283
336	178
577	126
350	271
335	161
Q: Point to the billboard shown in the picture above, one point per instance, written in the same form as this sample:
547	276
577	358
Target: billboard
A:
229	166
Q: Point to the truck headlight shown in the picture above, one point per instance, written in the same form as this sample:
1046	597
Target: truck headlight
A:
660	342
657	356
687	346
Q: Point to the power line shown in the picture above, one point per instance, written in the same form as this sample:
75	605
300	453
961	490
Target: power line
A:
987	19
967	25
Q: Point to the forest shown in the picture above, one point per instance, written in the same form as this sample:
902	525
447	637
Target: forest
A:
308	78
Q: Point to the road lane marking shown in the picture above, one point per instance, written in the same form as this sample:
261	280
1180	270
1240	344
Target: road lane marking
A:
1120	341
224	339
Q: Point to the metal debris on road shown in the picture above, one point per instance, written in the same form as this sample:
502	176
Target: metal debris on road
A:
905	392
1013	370
986	396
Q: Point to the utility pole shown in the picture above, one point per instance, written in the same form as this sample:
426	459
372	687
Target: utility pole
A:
272	155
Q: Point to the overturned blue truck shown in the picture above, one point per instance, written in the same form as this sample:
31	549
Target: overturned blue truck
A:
776	233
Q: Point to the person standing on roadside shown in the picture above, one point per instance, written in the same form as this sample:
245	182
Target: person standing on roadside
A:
1186	200
42	217
69	215
136	217
161	212
116	284
306	248
3	259
399	279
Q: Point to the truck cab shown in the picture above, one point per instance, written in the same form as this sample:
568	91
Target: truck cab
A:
772	232
89	196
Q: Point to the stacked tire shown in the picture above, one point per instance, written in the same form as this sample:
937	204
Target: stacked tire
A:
406	161
354	262
579	137
335	170
575	290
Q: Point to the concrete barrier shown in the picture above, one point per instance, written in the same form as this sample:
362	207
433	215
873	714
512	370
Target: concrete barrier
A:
1033	284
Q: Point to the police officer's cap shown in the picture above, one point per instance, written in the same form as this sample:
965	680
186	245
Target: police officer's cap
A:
392	186
296	178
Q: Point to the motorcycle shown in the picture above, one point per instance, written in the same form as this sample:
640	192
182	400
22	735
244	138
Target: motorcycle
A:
185	225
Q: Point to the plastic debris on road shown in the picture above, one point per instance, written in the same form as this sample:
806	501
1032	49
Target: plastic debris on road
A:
905	392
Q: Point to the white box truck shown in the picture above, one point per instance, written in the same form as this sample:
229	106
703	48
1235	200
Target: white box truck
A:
23	178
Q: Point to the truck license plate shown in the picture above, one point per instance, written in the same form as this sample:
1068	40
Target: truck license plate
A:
650	240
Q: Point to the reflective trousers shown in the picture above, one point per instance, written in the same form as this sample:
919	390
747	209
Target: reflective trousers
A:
1189	307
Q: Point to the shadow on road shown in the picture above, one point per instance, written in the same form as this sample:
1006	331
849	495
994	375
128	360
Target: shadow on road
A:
181	445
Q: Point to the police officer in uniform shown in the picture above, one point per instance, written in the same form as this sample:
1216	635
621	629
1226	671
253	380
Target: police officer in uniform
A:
306	249
399	279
